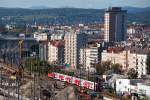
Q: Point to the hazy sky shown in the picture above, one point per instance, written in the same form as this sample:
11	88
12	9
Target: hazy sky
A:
74	3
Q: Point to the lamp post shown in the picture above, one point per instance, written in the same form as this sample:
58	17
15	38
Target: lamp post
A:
88	73
33	55
1	74
95	62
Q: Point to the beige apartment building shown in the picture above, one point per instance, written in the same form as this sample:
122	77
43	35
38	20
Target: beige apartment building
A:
56	52
74	40
127	59
89	56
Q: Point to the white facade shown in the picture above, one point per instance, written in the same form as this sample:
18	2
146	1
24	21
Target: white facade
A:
52	53
132	86
141	64
73	42
55	53
127	60
40	36
131	30
88	57
106	27
57	36
144	89
122	85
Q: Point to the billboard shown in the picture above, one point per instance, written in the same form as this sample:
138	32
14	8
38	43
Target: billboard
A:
73	80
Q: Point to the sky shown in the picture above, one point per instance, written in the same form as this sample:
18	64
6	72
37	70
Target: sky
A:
98	4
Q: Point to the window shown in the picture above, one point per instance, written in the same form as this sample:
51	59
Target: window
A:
119	82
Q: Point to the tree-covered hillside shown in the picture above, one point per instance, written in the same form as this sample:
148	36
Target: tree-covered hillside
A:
65	15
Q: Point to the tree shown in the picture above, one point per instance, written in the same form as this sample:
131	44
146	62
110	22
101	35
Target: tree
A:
101	68
148	64
132	73
117	68
36	65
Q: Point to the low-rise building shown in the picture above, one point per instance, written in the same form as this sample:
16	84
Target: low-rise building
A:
59	36
133	86
40	36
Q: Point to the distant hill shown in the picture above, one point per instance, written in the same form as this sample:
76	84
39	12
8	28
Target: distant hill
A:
141	15
39	7
67	15
136	10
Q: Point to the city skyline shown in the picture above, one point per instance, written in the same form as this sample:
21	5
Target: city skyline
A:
98	4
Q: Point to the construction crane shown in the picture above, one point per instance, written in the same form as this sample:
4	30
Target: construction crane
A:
20	68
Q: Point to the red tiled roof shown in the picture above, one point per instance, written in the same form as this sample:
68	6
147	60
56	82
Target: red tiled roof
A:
115	49
57	43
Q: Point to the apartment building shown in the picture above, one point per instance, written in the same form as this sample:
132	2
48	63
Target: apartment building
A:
74	41
56	52
115	26
89	56
127	59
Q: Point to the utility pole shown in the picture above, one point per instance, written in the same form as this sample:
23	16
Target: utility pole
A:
20	58
18	89
95	75
1	75
39	79
31	90
34	87
88	73
9	89
20	69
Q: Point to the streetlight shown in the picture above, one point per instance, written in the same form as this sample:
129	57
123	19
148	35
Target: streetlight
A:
95	62
33	55
88	72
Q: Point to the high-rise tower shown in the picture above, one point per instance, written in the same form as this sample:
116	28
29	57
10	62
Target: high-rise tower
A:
74	40
115	24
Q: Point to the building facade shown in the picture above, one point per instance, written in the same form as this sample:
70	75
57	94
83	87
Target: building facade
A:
57	36
115	24
56	52
43	50
133	86
89	56
40	36
127	59
74	40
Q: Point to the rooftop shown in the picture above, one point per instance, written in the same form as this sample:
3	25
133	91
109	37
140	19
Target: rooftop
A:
57	43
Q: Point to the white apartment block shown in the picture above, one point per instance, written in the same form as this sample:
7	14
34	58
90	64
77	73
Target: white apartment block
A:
40	36
74	40
127	60
56	52
136	86
89	56
141	64
57	36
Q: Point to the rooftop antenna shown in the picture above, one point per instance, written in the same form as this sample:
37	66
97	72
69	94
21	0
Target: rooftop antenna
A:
35	23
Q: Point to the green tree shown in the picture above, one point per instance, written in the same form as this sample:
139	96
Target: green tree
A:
148	64
101	68
132	73
36	65
117	68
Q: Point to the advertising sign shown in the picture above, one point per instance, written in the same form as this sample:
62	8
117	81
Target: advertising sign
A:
73	80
